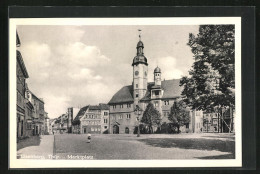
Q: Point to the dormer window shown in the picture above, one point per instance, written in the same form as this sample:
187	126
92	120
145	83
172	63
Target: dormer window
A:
166	102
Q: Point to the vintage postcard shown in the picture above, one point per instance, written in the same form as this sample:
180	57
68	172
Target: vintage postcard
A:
125	92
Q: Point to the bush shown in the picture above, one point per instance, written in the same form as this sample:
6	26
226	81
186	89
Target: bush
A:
105	132
188	131
142	129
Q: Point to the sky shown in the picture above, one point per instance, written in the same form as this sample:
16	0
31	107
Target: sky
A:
74	66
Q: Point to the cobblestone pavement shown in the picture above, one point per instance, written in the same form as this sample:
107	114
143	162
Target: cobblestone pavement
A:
153	146
38	148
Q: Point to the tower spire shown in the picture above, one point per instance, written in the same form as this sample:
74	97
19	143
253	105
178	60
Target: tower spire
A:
139	30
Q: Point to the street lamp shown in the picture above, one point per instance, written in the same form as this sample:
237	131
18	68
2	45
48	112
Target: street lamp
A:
138	111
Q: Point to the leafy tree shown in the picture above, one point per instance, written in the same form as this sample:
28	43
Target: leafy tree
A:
179	114
211	82
151	117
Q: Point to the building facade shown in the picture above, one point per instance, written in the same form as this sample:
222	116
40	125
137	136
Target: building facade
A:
72	113
39	114
92	119
162	93
21	106
29	114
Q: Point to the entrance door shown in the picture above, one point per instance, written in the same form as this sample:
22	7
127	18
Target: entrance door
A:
127	130
22	128
115	129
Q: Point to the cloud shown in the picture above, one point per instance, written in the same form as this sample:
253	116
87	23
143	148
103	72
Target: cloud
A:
80	65
81	55
168	66
84	73
55	104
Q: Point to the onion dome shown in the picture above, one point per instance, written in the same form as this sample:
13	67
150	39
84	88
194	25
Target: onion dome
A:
157	70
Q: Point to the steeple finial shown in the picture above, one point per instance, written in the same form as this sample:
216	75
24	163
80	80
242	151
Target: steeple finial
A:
139	30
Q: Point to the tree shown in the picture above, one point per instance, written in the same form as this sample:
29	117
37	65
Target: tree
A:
151	117
210	86
179	114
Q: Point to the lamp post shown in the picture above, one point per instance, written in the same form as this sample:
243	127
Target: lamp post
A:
138	111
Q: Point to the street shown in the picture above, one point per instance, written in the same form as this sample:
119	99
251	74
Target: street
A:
128	146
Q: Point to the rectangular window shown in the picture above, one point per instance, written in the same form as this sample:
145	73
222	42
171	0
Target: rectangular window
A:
166	102
128	116
121	106
156	92
105	113
105	120
136	85
120	116
136	95
156	103
128	105
114	106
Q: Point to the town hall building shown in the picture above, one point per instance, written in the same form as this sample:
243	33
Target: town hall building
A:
162	93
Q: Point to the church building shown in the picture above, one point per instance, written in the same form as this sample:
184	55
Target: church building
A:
162	93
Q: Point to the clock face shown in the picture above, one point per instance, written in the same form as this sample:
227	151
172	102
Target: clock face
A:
136	73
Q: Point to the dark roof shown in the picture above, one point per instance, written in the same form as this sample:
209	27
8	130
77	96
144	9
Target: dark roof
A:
124	95
94	107
104	106
81	112
18	43
171	90
21	63
140	44
36	97
157	70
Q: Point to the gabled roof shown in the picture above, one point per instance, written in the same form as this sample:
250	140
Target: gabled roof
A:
34	96
124	95
21	63
171	89
18	43
81	112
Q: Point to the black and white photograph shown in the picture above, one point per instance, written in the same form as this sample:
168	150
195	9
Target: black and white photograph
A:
110	92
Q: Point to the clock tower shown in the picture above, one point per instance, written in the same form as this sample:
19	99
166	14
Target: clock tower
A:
140	73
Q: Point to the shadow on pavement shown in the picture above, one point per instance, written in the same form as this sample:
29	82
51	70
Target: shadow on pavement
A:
31	141
198	144
227	137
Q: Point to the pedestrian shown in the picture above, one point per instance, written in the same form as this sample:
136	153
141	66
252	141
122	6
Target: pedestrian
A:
89	137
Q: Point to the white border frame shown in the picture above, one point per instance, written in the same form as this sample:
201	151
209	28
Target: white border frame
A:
29	163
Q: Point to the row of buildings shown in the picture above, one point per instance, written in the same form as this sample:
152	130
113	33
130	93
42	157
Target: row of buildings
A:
31	116
118	116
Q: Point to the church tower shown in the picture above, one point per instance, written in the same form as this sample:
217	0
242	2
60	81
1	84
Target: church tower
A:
140	72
